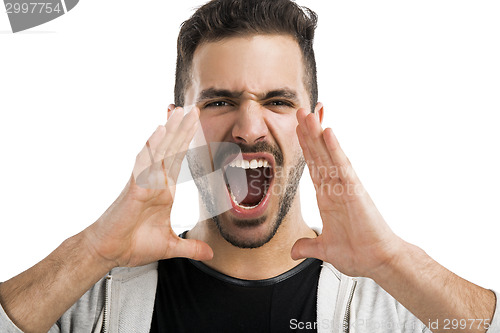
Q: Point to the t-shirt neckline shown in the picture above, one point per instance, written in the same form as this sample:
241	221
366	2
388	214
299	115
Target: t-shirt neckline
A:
250	283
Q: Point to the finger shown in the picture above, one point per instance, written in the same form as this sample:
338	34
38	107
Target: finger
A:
167	149
171	126
307	144
302	131
317	148
306	248
179	157
190	248
184	134
336	153
144	158
170	109
307	156
341	159
303	145
302	117
317	145
183	131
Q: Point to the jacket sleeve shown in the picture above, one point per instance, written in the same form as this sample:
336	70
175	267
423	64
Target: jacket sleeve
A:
495	322
81	317
374	310
6	325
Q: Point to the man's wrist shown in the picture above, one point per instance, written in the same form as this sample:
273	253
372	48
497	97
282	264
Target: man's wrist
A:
395	261
96	259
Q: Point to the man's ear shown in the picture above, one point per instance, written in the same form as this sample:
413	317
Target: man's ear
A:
318	111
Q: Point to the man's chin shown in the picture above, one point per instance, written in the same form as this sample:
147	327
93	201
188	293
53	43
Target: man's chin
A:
245	233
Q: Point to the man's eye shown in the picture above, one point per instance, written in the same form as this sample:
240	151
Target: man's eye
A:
217	104
280	103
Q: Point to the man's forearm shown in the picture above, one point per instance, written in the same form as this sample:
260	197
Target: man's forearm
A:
36	298
435	295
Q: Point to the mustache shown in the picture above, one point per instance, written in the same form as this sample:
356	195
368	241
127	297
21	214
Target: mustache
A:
259	147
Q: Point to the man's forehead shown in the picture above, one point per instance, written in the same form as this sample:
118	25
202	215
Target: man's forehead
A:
256	64
245	42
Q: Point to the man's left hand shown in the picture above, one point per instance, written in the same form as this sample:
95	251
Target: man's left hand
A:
355	237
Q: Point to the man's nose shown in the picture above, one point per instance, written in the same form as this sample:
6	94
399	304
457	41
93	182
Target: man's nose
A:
250	126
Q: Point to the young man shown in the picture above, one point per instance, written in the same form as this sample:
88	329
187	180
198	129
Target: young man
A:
248	68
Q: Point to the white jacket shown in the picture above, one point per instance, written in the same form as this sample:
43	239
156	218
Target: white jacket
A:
123	301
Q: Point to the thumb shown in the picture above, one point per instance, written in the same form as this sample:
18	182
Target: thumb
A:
192	249
306	248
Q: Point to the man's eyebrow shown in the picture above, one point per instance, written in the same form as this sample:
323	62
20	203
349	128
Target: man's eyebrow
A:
212	93
217	93
284	93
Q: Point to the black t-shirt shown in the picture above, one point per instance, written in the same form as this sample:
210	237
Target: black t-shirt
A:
191	297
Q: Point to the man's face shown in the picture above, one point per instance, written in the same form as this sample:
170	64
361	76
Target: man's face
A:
248	90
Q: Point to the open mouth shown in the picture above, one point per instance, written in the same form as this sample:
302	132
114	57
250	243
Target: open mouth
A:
248	179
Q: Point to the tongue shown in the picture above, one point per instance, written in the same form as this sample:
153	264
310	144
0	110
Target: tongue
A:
255	181
247	190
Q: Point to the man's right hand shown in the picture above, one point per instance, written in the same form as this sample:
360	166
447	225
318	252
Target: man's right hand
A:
136	229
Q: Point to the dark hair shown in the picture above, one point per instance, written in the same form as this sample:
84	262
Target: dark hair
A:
219	19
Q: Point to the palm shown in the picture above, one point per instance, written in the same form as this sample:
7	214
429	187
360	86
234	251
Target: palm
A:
136	228
354	231
355	237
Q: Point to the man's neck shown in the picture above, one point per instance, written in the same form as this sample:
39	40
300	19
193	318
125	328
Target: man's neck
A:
269	260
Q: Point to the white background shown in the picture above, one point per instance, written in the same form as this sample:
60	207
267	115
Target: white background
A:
410	88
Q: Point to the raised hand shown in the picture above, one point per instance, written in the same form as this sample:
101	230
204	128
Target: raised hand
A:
134	231
136	228
355	237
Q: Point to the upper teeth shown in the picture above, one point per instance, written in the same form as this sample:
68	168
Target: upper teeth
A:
252	164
